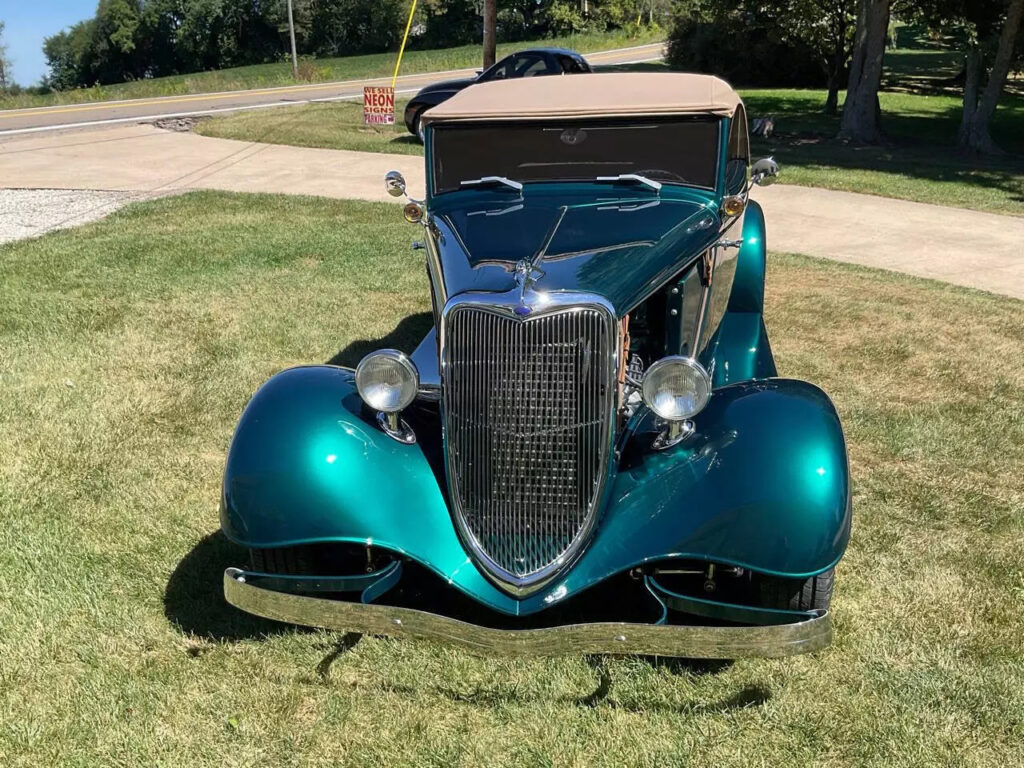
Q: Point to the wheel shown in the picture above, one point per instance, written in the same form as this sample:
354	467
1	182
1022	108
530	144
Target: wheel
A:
810	594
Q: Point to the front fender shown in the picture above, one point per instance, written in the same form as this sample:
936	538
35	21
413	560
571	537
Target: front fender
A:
763	484
305	465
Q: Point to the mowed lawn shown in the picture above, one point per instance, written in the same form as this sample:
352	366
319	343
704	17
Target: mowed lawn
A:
128	349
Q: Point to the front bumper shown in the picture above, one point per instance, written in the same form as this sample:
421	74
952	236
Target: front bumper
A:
685	641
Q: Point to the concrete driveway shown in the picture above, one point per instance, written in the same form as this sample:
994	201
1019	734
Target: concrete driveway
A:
970	248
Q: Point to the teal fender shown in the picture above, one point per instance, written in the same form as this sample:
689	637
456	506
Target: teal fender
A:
762	484
739	350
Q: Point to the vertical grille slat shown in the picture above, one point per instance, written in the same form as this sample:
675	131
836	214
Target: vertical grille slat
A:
527	429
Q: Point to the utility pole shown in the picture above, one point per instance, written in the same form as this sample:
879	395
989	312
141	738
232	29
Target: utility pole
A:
291	33
490	20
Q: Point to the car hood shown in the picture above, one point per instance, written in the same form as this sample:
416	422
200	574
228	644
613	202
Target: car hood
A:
448	85
621	247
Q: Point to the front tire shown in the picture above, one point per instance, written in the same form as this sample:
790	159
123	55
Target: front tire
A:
417	126
810	594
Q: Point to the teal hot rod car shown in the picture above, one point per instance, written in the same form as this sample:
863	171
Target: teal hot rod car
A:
591	451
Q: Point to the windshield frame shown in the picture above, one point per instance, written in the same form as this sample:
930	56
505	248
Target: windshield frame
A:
431	153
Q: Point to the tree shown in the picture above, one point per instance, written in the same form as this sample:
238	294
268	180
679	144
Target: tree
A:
344	27
799	43
861	121
826	26
114	36
5	63
979	106
69	57
837	22
991	31
490	31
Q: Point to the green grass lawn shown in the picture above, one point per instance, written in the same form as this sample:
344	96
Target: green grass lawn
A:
919	160
128	349
334	125
321	70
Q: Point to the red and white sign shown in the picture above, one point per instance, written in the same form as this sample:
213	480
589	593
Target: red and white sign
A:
378	105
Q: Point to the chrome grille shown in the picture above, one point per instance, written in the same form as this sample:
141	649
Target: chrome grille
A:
527	418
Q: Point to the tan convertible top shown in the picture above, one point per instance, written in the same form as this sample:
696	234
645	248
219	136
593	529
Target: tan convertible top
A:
595	95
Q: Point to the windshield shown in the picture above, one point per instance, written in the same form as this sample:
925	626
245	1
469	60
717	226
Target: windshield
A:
678	150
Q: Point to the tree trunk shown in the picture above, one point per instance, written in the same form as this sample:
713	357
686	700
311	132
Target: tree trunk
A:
490	31
974	127
972	80
832	99
861	111
838	61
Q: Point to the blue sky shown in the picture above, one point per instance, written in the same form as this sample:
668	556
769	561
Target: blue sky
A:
28	22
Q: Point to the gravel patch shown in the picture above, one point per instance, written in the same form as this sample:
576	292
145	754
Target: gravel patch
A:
179	124
32	212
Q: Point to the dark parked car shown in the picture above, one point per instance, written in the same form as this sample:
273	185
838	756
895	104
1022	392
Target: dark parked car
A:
528	63
591	451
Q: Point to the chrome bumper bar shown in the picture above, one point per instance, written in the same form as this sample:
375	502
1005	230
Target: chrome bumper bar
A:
693	642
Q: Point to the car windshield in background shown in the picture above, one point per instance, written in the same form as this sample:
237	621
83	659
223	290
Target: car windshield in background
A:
669	151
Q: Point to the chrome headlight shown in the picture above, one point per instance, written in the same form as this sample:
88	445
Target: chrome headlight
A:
676	388
387	380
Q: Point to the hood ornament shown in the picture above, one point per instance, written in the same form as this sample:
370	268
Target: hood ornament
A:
528	271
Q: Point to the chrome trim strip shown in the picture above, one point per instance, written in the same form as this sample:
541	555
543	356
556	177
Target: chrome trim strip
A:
424	357
711	255
435	269
541	305
693	642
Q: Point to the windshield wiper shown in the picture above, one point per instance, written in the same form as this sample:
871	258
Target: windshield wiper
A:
632	177
515	186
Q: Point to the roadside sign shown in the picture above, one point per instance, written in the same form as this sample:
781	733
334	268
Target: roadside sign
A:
378	105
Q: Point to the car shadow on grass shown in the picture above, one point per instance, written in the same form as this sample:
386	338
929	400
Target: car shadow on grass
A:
194	601
745	698
499	696
405	337
409	141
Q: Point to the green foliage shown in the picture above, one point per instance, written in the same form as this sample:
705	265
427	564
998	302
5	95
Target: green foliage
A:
344	27
137	39
5	63
802	43
743	43
448	23
565	18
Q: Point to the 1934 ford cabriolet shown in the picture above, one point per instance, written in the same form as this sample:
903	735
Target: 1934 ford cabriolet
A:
591	451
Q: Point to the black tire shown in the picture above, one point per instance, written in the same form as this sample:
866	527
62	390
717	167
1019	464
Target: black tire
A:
285	560
417	130
325	559
810	594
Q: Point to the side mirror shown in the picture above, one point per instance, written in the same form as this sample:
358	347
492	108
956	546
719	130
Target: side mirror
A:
394	183
764	172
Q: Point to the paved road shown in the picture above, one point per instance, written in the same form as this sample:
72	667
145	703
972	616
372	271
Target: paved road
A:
970	248
39	119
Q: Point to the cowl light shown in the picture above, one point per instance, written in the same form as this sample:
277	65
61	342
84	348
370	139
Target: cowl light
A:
387	380
676	388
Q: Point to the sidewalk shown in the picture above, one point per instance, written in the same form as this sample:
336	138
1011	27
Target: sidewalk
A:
970	248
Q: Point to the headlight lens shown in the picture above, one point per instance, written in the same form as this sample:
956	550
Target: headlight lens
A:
387	380
676	388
